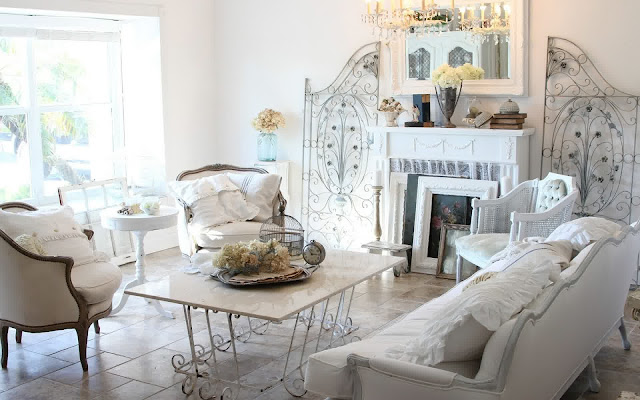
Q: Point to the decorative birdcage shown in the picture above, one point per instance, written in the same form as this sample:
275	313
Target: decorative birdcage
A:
286	230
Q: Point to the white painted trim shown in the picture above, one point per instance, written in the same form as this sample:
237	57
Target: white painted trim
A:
516	85
427	187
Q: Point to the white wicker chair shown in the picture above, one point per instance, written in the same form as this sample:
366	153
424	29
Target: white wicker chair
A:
533	208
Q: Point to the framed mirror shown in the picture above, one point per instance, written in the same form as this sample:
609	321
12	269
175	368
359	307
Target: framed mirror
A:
465	39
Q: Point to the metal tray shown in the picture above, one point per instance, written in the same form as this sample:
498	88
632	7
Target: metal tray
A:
224	276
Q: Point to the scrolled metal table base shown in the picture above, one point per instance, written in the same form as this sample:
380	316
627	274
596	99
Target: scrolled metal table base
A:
203	361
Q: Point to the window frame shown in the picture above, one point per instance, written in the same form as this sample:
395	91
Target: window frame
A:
34	28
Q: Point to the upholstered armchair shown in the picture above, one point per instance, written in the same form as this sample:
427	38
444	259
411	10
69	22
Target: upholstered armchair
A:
193	239
533	208
47	293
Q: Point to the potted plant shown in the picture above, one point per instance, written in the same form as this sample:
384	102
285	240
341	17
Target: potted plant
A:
448	83
267	122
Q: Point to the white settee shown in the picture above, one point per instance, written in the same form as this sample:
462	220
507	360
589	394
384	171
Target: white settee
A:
193	240
536	355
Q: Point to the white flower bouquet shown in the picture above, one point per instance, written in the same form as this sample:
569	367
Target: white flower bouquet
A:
268	121
253	257
447	76
390	105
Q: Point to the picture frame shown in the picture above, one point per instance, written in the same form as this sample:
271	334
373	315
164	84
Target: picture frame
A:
427	187
447	258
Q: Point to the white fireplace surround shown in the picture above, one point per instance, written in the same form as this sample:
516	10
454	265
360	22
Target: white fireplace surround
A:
506	150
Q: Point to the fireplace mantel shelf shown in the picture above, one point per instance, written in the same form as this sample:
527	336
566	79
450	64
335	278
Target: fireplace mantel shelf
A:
454	131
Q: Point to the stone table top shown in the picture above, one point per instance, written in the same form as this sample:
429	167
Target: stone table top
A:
340	271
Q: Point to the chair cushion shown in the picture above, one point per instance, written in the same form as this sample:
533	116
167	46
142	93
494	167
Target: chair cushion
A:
582	231
96	282
56	229
260	190
218	236
550	194
479	249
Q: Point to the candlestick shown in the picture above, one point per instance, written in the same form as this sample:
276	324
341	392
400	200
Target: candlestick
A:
482	8
423	5
377	6
377	229
462	10
368	6
453	6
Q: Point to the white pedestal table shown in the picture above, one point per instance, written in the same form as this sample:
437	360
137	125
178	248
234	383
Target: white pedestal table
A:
139	225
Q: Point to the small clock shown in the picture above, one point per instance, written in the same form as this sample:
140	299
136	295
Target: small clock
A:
314	253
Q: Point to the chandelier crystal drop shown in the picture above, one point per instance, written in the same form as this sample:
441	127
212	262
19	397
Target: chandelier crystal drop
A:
484	20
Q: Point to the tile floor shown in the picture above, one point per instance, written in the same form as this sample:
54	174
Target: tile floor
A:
131	358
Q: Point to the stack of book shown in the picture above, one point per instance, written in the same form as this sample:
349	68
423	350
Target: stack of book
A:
508	121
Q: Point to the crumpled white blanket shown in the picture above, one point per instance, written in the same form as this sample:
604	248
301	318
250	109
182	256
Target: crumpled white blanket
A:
491	304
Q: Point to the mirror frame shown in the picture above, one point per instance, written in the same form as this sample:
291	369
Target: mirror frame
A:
516	85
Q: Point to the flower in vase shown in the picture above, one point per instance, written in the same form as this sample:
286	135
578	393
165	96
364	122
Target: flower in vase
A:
268	121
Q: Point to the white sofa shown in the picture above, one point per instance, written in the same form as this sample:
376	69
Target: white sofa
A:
536	355
193	240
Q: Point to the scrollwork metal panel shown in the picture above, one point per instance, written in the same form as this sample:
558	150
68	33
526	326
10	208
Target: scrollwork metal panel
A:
590	131
337	204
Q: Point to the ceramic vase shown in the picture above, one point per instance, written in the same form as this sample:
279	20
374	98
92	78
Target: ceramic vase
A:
267	146
448	100
391	117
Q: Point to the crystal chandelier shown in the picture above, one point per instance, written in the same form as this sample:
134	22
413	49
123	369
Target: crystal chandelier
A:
401	17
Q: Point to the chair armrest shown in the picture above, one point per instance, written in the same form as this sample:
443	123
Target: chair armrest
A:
188	212
414	372
89	233
543	223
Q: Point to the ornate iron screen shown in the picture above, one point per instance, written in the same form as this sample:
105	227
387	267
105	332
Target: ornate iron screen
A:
337	203
590	132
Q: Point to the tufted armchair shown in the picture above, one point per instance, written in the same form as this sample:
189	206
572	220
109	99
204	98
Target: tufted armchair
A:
48	293
533	208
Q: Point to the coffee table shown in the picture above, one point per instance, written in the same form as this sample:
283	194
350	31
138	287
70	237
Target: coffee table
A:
337	275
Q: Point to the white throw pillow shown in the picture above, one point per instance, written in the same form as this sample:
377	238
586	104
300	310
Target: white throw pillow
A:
533	251
460	328
260	190
580	232
56	229
214	201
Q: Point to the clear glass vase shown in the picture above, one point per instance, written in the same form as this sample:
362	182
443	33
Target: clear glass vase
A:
267	146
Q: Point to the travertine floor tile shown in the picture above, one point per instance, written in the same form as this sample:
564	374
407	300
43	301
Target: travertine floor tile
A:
24	366
131	358
42	388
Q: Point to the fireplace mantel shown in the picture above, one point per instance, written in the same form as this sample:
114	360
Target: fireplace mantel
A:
508	148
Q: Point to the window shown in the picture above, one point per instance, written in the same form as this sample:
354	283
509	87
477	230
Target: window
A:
60	111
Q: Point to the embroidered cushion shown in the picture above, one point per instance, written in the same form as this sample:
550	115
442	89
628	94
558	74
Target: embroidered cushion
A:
56	229
31	243
260	190
480	278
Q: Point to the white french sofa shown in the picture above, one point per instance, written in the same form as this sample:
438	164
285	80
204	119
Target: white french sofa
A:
193	240
536	355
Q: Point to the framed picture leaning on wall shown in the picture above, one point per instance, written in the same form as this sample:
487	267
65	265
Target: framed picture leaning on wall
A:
447	253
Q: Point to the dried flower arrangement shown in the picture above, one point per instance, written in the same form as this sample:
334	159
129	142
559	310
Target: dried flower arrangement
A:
253	257
268	121
390	105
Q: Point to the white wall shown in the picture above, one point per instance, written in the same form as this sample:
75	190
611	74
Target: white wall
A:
188	66
265	49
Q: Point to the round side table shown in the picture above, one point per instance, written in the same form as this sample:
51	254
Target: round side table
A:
139	225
